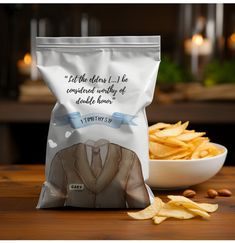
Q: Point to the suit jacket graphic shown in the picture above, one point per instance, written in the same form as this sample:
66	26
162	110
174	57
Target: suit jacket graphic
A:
72	183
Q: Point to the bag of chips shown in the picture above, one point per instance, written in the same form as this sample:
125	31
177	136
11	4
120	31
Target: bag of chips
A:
97	150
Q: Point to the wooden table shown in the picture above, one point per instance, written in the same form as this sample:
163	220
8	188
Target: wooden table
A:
19	191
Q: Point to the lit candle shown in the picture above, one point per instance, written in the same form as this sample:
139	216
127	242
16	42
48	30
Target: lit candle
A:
203	45
24	65
231	42
197	46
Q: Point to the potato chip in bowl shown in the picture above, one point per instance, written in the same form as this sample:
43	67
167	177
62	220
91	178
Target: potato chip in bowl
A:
180	157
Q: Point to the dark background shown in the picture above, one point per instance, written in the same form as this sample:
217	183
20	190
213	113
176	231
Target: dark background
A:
28	140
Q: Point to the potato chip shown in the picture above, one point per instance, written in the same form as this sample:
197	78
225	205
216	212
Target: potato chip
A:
167	140
186	202
161	150
181	155
188	131
190	136
174	211
153	138
197	142
148	212
199	212
158	219
155	127
178	207
203	154
175	142
208	207
172	131
205	149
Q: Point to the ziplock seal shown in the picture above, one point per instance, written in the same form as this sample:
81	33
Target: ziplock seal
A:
98	42
98	45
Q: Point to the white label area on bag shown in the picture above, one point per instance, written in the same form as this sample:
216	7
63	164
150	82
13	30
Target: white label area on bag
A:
76	187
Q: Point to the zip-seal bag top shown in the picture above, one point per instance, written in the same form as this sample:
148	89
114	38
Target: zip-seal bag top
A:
97	150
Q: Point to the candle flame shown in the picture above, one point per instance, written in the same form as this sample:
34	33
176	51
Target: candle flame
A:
27	59
197	39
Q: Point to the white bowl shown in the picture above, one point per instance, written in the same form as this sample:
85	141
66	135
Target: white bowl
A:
176	174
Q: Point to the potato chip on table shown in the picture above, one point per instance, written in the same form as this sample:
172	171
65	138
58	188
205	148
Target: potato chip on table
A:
181	200
178	207
148	212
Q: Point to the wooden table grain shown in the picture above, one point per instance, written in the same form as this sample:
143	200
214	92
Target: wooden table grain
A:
19	219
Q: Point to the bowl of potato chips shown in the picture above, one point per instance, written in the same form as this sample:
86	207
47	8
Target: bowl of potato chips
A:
180	158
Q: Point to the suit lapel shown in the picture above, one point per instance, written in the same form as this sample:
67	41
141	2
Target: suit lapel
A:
82	167
109	169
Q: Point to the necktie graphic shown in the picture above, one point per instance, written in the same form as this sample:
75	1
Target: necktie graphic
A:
96	163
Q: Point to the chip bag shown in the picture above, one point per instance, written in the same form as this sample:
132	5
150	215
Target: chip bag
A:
97	148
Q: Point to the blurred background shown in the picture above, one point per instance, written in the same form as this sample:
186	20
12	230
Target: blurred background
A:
196	80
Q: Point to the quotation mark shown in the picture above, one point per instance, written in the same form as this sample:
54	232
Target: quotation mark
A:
65	76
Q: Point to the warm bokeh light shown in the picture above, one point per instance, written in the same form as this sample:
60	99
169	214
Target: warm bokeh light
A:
231	42
27	59
197	39
24	65
232	37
